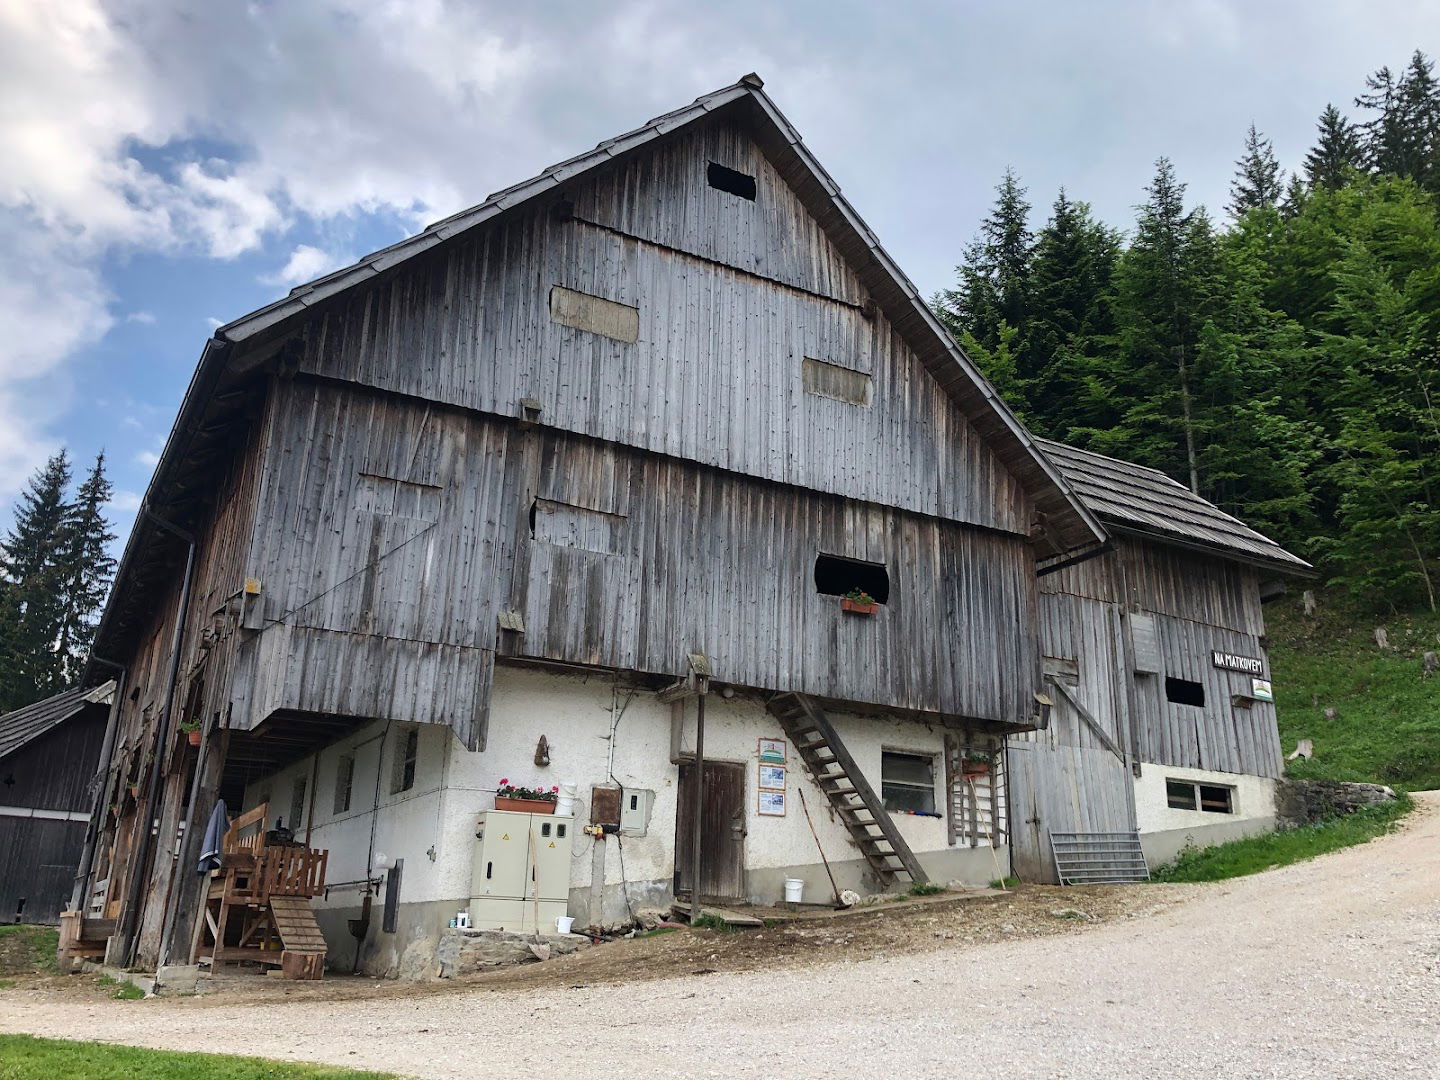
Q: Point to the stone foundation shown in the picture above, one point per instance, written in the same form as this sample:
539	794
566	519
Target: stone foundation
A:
465	952
1306	802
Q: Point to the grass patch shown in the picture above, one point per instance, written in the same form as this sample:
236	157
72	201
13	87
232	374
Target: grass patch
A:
1005	882
26	949
25	1058
710	921
1269	850
124	990
6	984
925	888
1387	718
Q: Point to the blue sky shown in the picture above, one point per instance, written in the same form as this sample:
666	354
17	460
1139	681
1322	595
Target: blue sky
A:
167	167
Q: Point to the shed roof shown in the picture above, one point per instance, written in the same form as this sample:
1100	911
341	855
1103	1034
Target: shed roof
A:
1069	524
1147	501
25	725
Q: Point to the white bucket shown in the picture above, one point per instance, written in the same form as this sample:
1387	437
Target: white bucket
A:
794	889
563	923
565	802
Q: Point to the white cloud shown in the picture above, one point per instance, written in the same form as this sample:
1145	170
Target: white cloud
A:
145	318
306	263
148	458
125	502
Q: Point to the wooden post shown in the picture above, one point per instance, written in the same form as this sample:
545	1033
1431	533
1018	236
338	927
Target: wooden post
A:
698	807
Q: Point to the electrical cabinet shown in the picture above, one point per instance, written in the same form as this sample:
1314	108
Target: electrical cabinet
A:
517	856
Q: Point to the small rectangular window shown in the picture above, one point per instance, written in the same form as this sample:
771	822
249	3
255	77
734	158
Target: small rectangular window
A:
1184	692
398	498
907	781
723	178
1190	795
824	379
576	526
297	804
835	576
1180	795
344	780
402	769
1216	799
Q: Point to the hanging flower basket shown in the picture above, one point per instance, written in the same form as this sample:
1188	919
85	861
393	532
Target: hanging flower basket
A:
977	764
857	602
525	800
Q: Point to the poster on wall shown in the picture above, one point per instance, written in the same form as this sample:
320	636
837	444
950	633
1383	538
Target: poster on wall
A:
1261	690
772	778
772	804
772	751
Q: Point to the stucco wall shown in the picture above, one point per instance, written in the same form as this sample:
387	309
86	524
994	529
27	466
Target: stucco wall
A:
431	826
1164	830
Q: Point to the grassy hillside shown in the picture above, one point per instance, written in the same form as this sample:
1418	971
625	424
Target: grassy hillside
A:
1387	724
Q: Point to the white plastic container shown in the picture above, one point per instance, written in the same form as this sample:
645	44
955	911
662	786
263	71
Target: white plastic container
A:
794	889
563	924
565	802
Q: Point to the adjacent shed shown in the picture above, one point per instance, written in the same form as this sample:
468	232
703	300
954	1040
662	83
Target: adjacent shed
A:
48	754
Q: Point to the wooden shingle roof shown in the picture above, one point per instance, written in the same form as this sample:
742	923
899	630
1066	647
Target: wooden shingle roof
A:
1137	499
24	726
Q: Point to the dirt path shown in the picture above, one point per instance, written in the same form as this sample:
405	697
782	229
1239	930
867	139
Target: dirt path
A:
1328	968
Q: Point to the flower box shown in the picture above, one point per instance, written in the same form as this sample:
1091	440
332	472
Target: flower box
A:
525	806
858	607
193	737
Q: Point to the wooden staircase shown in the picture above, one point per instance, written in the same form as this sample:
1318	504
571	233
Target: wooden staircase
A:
302	944
843	783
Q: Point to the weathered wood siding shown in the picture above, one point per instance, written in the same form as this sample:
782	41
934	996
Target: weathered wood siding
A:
614	557
732	296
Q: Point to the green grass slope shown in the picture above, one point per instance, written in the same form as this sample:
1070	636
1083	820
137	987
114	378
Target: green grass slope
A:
1387	723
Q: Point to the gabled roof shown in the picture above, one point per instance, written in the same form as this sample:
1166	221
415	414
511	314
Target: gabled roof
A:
1068	524
1147	501
24	726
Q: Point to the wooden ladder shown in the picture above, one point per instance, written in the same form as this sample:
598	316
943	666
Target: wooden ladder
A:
845	786
303	945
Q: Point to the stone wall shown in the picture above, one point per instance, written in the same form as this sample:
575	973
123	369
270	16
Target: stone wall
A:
1305	802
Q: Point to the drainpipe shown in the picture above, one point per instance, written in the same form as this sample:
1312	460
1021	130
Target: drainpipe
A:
140	867
97	811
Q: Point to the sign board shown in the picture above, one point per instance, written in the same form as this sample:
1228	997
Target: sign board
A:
772	751
772	778
772	803
1261	690
1250	665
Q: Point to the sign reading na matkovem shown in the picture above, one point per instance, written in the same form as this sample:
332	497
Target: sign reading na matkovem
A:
1251	665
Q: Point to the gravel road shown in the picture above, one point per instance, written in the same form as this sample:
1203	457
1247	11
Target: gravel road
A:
1330	968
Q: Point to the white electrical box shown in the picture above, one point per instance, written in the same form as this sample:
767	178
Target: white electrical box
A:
518	856
635	806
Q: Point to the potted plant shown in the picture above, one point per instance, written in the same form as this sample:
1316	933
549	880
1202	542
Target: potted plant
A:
510	796
859	602
975	763
191	730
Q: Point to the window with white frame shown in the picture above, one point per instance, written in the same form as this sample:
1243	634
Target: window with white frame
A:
402	769
1193	795
907	781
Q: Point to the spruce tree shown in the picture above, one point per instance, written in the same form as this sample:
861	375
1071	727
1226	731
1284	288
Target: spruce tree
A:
30	569
1337	154
1403	136
86	569
1257	176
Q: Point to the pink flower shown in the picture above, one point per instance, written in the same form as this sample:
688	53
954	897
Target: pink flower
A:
504	782
555	787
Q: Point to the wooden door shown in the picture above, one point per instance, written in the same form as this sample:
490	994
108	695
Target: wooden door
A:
722	831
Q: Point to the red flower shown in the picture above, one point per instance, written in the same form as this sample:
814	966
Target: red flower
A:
555	787
504	782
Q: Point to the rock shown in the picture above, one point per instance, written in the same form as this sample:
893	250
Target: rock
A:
849	898
1072	913
651	918
462	952
1305	748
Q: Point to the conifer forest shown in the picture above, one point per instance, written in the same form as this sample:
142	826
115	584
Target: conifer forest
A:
1281	358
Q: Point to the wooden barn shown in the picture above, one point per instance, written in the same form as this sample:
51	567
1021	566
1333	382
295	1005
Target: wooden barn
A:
633	535
1163	733
48	754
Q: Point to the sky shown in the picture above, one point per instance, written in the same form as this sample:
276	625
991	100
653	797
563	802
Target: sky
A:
167	167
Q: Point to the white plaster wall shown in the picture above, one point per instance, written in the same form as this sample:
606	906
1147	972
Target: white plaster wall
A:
1253	800
575	713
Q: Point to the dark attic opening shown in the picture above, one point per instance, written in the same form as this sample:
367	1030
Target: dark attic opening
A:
835	576
736	183
1184	692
